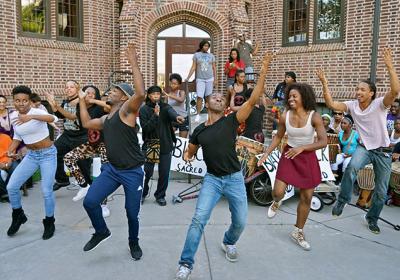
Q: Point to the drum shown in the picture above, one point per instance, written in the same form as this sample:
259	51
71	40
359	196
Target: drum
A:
333	138
153	151
334	150
366	182
246	150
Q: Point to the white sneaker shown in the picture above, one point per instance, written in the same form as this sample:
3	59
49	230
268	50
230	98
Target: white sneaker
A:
230	252
81	193
183	273
273	208
298	237
105	211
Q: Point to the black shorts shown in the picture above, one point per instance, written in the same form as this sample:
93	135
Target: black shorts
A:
182	127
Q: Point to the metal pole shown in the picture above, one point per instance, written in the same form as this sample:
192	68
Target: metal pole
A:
375	40
189	118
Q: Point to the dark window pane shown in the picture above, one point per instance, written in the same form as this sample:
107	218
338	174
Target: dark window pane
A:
68	18
329	19
33	16
296	21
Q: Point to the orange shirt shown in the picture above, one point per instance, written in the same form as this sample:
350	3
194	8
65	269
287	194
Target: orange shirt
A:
5	142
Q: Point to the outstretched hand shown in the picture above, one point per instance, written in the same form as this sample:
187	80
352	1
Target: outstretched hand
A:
131	52
268	57
321	75
387	57
82	94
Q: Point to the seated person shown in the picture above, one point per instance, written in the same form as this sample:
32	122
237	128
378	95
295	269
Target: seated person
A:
348	140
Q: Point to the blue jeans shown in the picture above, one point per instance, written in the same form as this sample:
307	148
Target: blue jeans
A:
46	160
233	188
381	162
109	181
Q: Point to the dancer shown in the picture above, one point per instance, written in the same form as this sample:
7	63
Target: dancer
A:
30	126
298	165
125	166
217	138
369	115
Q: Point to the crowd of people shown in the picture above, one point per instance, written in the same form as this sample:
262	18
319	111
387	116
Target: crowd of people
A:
108	126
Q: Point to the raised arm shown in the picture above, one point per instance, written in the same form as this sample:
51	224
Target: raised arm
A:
394	79
86	121
255	50
132	106
258	91
101	103
334	105
57	109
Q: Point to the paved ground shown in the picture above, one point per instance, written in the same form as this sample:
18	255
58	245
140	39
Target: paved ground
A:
341	248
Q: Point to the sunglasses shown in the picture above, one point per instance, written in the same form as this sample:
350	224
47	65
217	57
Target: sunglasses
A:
336	113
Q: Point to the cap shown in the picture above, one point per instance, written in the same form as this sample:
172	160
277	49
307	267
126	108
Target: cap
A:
291	74
126	88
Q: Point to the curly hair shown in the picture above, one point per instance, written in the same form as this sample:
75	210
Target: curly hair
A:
175	76
307	94
21	89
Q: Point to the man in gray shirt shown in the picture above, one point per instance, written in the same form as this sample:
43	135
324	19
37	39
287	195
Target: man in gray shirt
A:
246	51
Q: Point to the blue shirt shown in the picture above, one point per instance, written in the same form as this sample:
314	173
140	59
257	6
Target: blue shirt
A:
347	148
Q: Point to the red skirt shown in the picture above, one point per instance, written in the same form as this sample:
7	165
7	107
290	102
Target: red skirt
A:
302	172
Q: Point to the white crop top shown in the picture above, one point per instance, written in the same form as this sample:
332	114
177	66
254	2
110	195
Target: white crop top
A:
32	131
300	136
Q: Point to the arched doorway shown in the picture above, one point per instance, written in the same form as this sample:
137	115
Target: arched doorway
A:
175	48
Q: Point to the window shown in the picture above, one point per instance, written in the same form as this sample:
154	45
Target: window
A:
69	20
328	20
35	17
295	28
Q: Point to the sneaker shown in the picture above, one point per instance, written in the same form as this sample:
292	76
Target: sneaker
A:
95	241
136	251
372	226
230	252
81	193
273	209
337	210
297	236
183	272
105	210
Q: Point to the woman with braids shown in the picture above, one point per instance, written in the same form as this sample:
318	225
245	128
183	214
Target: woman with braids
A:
298	165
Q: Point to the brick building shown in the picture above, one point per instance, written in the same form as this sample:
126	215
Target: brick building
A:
43	43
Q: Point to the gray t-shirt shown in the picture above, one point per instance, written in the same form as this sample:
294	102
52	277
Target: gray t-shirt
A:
204	63
370	123
245	49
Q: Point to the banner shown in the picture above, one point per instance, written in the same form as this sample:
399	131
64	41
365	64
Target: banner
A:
196	167
271	165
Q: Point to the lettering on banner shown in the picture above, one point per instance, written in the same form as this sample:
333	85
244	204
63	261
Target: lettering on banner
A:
195	167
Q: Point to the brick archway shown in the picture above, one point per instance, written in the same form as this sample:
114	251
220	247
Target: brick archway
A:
199	15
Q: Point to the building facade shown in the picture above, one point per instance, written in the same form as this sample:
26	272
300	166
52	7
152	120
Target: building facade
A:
44	43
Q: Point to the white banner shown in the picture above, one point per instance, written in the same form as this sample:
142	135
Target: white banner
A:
196	167
271	165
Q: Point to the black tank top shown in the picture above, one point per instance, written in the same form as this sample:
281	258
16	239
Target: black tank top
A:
123	150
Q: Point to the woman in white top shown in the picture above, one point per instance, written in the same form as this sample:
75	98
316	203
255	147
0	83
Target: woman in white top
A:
30	126
298	165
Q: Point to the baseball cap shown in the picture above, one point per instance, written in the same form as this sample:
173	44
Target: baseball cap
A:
126	88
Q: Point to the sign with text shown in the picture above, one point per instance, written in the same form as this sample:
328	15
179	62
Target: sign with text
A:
195	167
271	165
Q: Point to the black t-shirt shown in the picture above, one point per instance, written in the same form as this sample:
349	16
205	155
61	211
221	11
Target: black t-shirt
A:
254	123
218	143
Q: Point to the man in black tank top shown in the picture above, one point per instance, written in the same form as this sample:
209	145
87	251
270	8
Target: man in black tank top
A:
125	166
217	137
